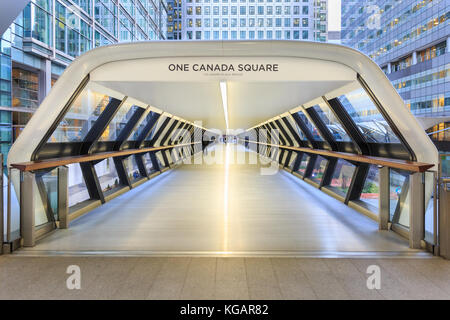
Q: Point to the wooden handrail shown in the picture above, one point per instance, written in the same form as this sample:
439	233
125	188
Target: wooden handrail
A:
406	165
56	162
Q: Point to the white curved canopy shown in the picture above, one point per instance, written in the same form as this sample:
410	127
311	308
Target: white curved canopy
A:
174	77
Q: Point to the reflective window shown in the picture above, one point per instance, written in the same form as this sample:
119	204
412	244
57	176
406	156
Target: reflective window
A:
77	187
47	183
398	199
160	159
332	123
342	177
155	129
148	164
107	176
140	127
312	128
82	114
297	128
319	169
292	160
429	211
371	190
303	164
367	117
132	169
118	122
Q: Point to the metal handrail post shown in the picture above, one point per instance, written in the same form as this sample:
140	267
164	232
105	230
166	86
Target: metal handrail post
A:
2	217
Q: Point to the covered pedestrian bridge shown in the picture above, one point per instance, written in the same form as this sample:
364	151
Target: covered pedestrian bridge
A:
267	147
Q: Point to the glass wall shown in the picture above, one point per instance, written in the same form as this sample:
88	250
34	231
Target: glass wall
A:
398	198
77	187
37	18
84	111
47	193
25	94
132	169
319	169
371	190
367	117
312	128
106	15
73	35
140	127
118	122
303	164
332	123
342	177
292	160
148	164
107	176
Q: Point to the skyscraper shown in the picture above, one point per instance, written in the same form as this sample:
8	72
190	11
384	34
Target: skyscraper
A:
248	20
410	41
49	34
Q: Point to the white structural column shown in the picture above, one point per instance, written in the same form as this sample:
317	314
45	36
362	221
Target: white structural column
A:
416	210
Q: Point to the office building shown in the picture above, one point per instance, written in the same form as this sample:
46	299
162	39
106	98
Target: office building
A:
410	42
49	34
248	20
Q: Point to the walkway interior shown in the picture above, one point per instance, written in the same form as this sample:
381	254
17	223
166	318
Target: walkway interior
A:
223	208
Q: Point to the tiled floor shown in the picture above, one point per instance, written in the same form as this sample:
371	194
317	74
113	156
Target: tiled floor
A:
222	278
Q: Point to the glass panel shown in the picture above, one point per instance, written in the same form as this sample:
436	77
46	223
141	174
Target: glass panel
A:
148	164
118	122
429	211
445	165
132	169
399	212
156	127
303	164
82	114
48	192
312	128
107	176
371	190
292	160
77	187
342	177
140	127
319	169
160	159
332	123
367	117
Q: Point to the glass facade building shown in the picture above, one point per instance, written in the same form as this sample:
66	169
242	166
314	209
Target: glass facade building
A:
410	42
248	20
49	34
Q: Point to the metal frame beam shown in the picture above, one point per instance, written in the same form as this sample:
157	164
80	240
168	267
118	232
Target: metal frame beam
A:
349	125
293	132
323	129
357	184
304	128
125	133
101	124
147	129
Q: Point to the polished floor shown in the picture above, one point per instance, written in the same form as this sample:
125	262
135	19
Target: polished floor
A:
223	209
23	277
